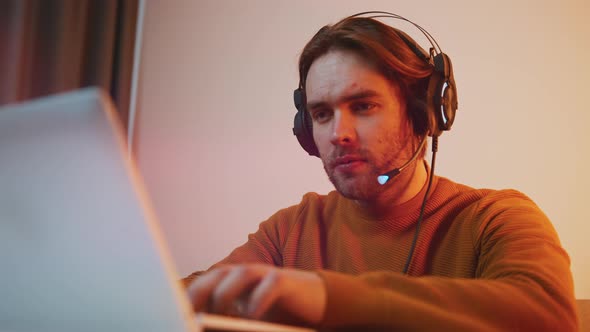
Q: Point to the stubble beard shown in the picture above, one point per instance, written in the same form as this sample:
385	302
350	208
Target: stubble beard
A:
364	187
360	187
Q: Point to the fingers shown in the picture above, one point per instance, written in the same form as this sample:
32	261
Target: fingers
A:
229	295
254	290
299	293
201	289
226	290
264	295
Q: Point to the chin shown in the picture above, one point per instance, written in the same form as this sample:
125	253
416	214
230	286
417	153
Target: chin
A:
353	187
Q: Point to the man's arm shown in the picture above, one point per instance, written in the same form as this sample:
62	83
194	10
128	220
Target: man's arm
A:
523	282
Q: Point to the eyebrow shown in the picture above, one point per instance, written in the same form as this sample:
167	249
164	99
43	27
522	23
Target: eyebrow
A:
348	98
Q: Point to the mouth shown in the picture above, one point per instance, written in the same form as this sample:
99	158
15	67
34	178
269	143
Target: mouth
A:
348	163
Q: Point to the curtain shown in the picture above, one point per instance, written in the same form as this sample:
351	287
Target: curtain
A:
53	46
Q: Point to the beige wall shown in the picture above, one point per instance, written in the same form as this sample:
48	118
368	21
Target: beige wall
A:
213	130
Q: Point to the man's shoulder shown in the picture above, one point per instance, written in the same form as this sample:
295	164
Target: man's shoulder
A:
310	211
458	189
312	201
320	202
314	197
485	198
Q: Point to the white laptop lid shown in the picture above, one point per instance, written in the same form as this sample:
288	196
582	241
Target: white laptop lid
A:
79	246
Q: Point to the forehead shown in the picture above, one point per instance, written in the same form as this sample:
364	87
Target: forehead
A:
341	72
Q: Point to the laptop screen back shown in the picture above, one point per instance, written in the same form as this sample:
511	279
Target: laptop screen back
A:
79	245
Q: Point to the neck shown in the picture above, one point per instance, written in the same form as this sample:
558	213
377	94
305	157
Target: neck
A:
400	189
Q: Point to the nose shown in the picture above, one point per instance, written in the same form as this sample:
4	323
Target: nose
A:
343	129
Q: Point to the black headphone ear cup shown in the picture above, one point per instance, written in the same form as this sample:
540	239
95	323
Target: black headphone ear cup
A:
441	96
302	125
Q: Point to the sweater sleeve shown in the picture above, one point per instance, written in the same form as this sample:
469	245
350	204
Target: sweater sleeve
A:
523	283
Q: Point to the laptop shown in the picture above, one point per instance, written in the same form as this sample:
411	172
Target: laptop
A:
80	246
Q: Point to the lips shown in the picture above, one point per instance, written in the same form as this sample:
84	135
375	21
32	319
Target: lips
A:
348	162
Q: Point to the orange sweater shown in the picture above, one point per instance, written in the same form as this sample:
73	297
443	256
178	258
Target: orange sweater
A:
485	260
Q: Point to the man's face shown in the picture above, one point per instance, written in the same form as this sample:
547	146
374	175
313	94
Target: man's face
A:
359	123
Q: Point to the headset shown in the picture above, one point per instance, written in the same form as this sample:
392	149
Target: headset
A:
441	96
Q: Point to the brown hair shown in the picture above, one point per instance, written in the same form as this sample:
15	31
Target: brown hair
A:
387	49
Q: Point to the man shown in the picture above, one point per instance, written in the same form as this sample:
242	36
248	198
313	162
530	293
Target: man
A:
374	256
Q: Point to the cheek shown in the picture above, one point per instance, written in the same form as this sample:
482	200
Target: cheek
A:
321	140
376	135
386	143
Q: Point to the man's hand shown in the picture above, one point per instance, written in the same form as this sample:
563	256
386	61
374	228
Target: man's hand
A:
252	290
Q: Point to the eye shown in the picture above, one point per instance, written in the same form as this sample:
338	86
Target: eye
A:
321	115
361	106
